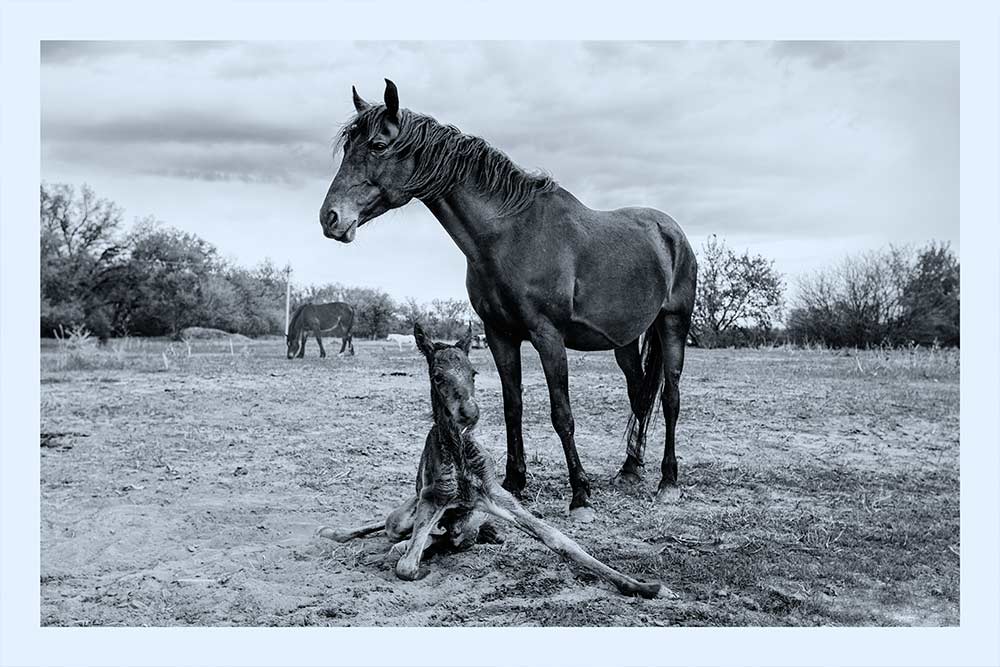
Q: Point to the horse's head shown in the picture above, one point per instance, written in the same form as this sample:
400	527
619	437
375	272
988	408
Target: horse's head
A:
452	376
372	176
294	344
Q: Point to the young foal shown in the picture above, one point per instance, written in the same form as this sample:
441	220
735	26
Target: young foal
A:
456	485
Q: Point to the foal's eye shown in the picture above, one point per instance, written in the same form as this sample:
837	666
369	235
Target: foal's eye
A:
379	146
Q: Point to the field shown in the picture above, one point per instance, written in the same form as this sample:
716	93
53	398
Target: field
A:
183	486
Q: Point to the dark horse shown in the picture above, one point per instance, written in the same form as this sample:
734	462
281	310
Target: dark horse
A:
332	319
542	267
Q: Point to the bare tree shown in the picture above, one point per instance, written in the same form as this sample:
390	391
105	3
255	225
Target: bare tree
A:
733	290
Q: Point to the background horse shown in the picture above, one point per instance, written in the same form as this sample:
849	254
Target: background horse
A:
332	319
542	267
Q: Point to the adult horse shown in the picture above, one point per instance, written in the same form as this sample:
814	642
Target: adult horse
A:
332	319
542	267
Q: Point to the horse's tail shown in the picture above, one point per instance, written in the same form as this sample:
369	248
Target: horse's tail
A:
649	389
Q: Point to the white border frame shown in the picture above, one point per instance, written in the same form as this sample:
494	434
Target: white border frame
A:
23	25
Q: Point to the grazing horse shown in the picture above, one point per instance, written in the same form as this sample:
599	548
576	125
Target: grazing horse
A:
332	319
541	267
456	486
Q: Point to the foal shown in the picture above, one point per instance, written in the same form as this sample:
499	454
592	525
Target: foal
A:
456	485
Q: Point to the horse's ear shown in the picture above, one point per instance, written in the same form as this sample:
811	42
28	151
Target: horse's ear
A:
423	341
359	102
465	343
391	100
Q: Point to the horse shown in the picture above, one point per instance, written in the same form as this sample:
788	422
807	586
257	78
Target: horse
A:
457	490
400	339
541	267
332	319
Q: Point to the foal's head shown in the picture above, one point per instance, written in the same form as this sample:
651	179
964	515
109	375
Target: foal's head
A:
452	377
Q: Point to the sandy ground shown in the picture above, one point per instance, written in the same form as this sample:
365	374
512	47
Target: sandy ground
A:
818	488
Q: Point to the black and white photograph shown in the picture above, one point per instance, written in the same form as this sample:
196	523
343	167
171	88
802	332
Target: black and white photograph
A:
499	333
487	344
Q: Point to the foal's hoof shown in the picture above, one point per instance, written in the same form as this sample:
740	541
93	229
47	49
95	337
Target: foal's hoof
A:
333	534
582	514
408	573
626	478
667	495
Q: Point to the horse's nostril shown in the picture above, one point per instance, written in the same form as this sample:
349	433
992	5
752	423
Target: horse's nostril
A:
331	218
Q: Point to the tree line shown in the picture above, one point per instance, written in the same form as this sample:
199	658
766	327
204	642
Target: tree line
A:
153	280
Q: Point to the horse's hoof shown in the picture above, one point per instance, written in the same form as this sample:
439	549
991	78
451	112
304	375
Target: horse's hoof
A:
626	478
667	495
582	514
513	486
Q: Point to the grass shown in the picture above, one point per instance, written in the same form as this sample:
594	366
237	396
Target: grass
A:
814	493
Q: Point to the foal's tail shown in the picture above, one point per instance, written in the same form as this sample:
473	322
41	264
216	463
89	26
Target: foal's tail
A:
649	390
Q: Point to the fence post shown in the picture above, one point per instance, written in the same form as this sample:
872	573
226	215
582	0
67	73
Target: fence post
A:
288	294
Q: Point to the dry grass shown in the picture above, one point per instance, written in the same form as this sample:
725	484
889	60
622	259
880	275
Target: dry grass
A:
814	492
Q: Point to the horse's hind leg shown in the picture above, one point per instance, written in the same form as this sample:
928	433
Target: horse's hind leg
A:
498	502
672	329
629	360
343	345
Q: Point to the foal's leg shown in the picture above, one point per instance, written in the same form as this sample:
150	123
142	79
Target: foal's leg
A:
673	330
629	360
350	343
343	345
397	525
507	355
319	339
425	521
552	352
500	503
303	337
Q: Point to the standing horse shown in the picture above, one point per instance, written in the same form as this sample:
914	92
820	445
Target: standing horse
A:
542	267
332	319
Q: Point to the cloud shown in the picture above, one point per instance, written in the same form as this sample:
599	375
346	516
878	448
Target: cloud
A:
786	141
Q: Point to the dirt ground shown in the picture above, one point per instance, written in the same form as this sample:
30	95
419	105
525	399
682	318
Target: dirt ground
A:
184	488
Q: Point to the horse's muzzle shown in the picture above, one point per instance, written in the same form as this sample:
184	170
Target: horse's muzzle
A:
335	228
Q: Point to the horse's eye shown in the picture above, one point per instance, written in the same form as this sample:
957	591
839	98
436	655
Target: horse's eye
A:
379	146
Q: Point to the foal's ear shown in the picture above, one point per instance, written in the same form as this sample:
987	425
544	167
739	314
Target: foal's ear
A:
391	100
466	341
359	103
423	341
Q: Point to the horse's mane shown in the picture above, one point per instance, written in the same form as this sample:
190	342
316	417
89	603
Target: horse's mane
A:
445	157
294	322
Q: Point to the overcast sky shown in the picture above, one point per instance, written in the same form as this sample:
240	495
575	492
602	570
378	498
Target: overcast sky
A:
802	151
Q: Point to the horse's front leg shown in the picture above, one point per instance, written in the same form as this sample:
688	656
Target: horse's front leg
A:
552	351
319	339
507	355
425	520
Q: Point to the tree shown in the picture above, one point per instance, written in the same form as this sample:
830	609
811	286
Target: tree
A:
450	317
78	252
930	298
733	291
892	296
167	273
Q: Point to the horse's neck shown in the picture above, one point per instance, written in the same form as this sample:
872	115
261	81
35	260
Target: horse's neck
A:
470	218
448	433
